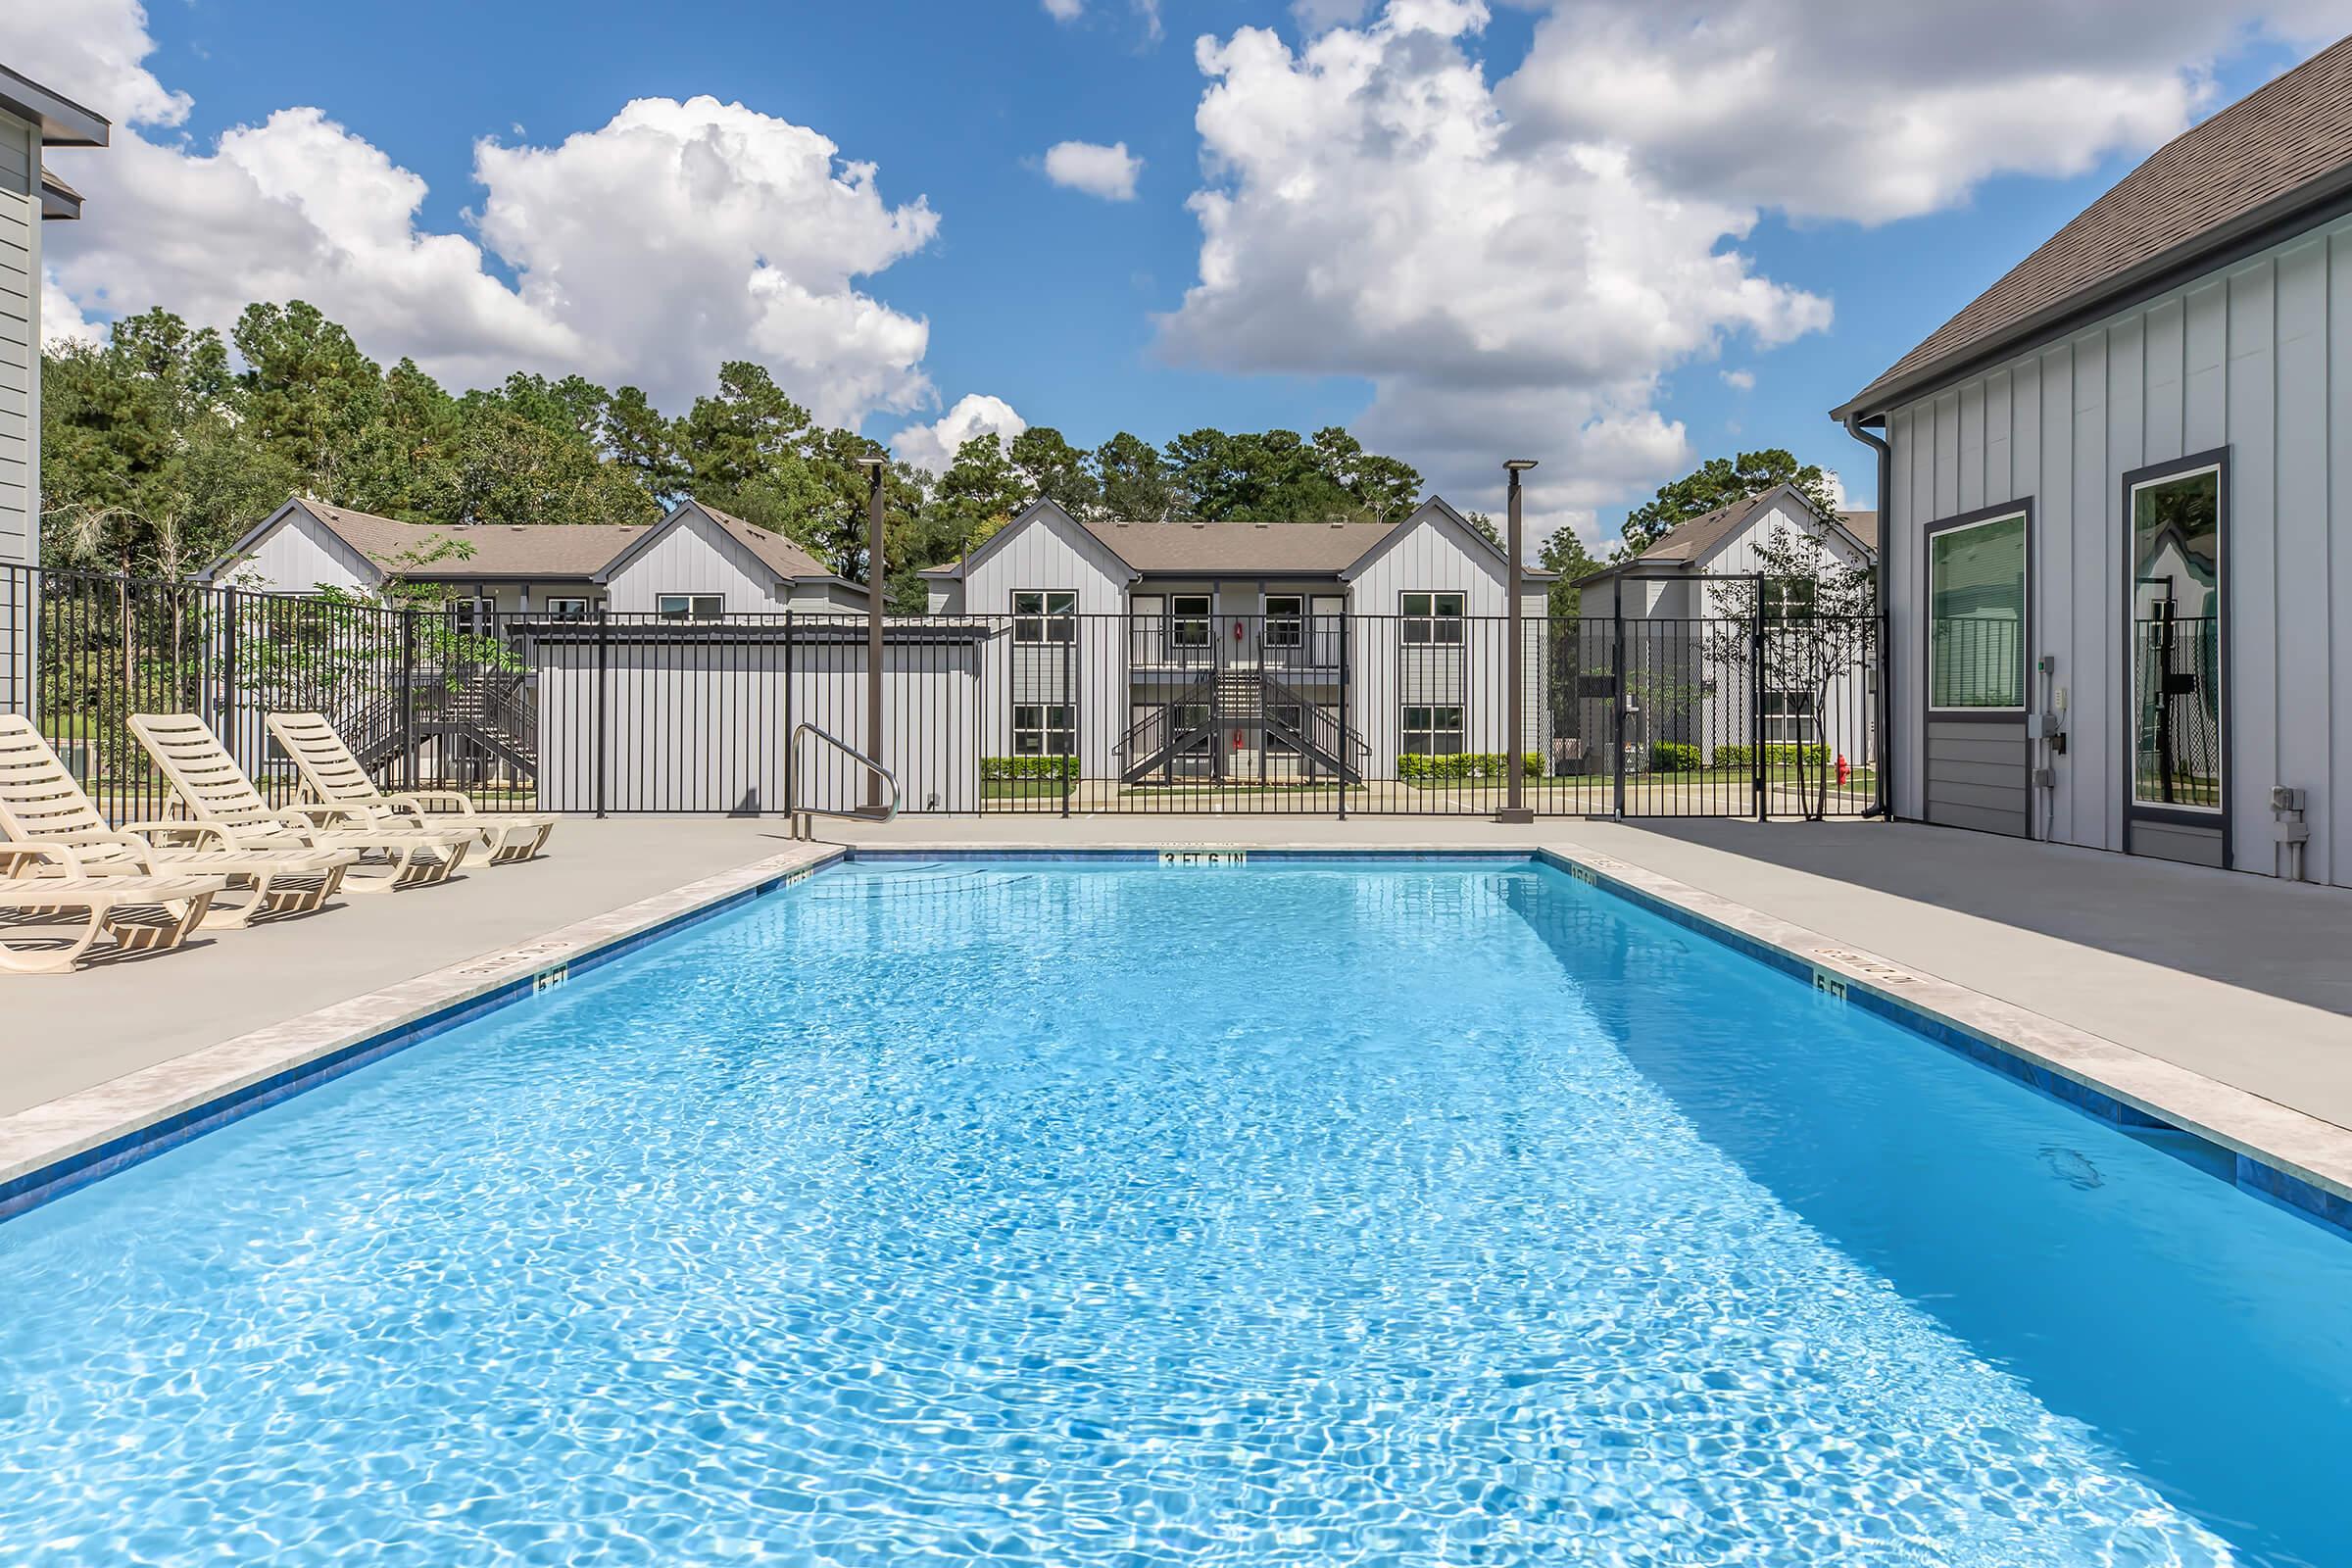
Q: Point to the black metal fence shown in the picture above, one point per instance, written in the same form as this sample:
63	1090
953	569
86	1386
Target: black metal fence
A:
1329	715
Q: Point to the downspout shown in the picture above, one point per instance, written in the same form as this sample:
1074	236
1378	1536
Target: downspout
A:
1884	807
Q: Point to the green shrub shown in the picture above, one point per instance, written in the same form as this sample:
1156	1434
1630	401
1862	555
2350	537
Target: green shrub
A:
1004	769
1779	753
1676	756
1454	767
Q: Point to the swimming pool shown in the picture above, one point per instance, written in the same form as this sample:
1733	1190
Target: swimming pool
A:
1299	1213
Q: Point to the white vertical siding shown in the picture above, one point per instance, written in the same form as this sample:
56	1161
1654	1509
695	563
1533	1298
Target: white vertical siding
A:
20	342
1051	551
299	554
694	558
2256	359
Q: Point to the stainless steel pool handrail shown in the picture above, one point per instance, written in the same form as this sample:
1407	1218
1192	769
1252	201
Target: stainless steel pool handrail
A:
803	823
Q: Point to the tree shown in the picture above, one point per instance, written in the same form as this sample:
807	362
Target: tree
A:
1382	489
1564	552
980	493
307	392
645	442
1135	480
1718	482
1055	470
1816	618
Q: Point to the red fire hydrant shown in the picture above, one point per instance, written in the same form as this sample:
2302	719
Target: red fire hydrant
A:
1842	770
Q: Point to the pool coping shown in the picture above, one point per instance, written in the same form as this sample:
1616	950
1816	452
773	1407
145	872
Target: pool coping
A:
55	1148
52	1148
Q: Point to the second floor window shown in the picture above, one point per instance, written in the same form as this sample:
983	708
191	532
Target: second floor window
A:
1044	615
566	609
1286	620
1188	620
690	607
1432	617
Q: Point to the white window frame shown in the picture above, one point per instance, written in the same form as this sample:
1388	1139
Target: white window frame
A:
1044	615
690	607
1427	619
1788	715
1421	739
1044	729
1286	628
566	607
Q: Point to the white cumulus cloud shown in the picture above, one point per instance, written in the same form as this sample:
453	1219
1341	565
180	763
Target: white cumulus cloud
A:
1371	212
645	251
1065	10
933	445
1099	170
1739	380
1515	265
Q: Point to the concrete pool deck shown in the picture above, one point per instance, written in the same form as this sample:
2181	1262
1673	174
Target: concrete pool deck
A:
2202	978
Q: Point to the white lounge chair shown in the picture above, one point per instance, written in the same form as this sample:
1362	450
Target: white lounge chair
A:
42	807
48	923
331	776
209	787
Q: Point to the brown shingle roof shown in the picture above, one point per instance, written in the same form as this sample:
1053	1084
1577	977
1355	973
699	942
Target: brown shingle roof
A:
1863	526
1166	548
499	549
2279	149
787	559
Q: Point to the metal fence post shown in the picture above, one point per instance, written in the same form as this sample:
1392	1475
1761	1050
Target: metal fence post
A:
1346	675
228	671
1755	698
604	660
409	768
1070	707
1617	697
792	782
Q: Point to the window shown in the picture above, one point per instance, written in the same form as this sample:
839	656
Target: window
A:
1286	620
1976	616
1044	615
1787	597
1432	731
1042	729
1290	717
566	609
1787	715
690	607
2177	654
1188	620
1432	617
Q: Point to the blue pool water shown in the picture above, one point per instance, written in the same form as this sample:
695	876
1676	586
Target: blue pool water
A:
1435	1214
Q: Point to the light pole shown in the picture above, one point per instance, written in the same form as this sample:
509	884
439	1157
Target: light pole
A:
877	467
1515	764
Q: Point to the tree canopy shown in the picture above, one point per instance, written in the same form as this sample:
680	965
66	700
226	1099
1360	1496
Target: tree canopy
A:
1718	482
163	445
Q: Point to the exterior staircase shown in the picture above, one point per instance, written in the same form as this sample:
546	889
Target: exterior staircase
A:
1244	697
481	713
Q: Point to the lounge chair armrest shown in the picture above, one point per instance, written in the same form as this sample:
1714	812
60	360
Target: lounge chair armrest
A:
327	817
24	860
431	803
178	835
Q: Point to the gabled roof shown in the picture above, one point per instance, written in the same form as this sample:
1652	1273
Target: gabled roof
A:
497	550
1686	544
2280	154
57	199
1231	549
786	561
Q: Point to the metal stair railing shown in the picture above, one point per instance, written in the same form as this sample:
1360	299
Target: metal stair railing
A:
804	818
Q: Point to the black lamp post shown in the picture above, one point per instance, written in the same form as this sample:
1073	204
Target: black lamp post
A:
1514	767
877	467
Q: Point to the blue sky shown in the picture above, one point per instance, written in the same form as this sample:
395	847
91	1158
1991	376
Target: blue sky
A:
1050	300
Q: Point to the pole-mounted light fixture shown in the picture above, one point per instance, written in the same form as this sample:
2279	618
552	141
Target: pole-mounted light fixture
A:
877	468
1514	768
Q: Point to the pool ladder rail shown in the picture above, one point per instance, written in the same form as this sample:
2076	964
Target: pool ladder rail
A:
804	818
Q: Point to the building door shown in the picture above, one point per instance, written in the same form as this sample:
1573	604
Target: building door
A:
2176	659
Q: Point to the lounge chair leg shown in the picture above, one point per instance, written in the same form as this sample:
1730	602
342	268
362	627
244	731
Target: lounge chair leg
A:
388	880
52	960
181	916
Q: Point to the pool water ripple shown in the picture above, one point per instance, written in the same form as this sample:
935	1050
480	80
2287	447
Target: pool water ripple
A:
1127	1216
